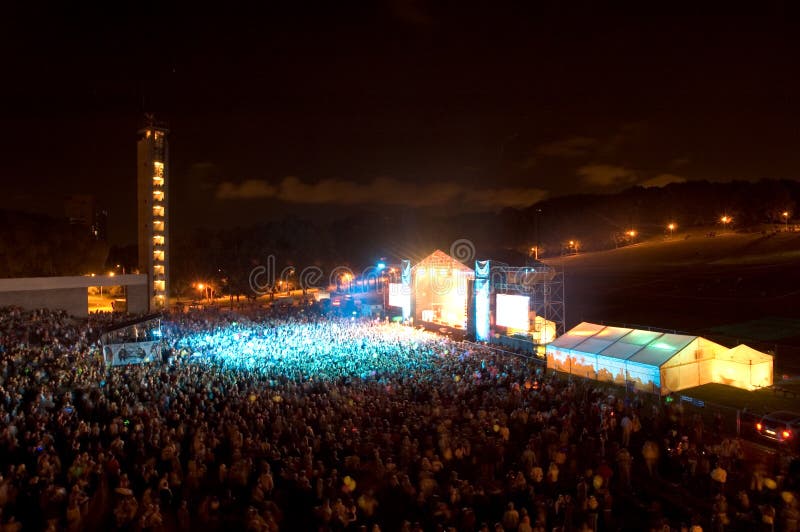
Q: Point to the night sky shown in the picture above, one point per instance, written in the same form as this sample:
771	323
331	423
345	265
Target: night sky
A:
322	110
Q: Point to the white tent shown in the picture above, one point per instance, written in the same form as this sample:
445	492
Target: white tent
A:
744	367
656	361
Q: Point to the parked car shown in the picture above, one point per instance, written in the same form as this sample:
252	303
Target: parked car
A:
782	426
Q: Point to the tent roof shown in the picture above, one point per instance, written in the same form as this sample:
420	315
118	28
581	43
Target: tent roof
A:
643	347
622	350
576	335
744	354
661	349
612	334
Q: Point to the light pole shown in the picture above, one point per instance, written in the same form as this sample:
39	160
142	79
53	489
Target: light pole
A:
573	246
671	226
289	281
725	220
786	221
204	289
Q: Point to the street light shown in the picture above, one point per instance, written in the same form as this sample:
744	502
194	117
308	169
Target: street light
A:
725	220
573	246
204	289
671	226
786	221
631	233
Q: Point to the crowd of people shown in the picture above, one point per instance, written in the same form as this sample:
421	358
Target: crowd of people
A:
291	422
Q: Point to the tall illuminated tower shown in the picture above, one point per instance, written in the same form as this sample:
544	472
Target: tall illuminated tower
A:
153	200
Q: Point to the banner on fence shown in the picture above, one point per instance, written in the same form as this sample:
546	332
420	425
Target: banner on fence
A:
131	353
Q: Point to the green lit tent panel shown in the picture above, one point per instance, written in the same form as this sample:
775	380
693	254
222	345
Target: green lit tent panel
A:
656	361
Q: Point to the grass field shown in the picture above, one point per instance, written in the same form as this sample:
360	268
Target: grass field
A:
768	329
733	288
758	402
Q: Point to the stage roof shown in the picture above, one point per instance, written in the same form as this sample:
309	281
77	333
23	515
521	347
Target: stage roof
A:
440	259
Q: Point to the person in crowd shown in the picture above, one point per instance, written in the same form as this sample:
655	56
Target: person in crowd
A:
280	420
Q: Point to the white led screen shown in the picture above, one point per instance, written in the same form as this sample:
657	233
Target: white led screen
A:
398	295
512	311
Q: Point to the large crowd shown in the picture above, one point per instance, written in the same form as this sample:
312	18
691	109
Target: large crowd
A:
291	422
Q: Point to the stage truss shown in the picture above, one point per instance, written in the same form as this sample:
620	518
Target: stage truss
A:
543	284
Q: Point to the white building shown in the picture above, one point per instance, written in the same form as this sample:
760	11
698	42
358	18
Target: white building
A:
153	210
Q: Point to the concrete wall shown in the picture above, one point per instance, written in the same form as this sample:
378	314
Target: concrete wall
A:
70	293
74	300
138	300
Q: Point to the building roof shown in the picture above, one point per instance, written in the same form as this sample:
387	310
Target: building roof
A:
19	284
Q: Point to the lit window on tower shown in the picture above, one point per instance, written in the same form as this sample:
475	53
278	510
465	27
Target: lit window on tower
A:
158	195
158	210
158	240
158	269
158	167
158	226
159	286
158	255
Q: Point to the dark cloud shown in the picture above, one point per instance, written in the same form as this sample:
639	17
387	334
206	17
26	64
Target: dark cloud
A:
621	141
410	12
381	191
249	189
662	180
203	175
606	175
571	147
